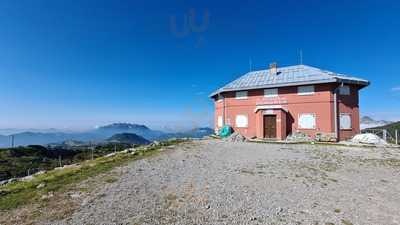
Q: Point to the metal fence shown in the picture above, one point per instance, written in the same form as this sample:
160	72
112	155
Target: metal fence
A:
391	137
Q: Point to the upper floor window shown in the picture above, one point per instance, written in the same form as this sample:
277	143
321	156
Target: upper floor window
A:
270	93
305	90
241	95
344	90
219	98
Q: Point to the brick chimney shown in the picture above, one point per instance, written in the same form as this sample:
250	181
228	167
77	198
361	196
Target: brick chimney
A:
273	68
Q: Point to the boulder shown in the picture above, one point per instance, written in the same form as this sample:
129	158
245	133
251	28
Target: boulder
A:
42	185
235	137
298	137
368	138
325	137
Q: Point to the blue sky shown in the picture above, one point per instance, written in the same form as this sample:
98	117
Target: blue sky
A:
77	64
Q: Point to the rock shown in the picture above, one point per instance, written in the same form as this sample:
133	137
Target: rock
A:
368	139
42	185
235	137
40	172
68	166
75	195
47	196
4	182
298	137
27	178
325	137
110	155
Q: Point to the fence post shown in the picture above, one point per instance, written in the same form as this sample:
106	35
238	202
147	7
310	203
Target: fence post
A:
385	135
396	136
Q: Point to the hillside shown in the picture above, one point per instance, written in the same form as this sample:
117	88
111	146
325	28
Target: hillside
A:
128	138
390	128
18	162
137	129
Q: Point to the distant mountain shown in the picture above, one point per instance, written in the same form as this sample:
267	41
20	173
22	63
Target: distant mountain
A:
128	138
140	130
368	122
33	138
98	135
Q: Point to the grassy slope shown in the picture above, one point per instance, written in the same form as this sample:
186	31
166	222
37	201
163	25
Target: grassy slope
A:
15	162
20	193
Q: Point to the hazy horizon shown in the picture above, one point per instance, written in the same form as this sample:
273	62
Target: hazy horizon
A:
78	65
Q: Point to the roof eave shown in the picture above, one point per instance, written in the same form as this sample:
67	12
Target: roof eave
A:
219	91
361	83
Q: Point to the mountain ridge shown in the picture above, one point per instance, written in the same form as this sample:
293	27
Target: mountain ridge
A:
99	134
368	122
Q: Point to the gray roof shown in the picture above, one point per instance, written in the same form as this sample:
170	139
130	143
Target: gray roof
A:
288	76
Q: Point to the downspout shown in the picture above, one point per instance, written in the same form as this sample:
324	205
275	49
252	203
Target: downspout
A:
223	109
336	111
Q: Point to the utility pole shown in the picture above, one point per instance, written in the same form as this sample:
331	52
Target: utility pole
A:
59	160
396	134
12	141
92	148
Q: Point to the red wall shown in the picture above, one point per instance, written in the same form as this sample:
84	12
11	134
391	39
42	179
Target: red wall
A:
320	103
349	104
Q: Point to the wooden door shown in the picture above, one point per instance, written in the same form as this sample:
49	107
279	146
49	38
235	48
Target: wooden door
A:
269	126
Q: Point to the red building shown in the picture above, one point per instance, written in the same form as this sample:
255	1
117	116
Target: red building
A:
276	102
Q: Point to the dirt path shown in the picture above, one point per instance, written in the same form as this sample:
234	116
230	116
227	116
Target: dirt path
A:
215	182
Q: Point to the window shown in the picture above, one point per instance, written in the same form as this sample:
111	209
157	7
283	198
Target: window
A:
345	121
269	93
219	121
344	90
305	90
241	121
241	95
307	121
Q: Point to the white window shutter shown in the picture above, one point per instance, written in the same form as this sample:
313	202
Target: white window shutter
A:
219	121
345	121
241	121
307	121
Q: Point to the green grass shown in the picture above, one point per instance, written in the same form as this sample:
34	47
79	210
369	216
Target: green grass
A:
17	194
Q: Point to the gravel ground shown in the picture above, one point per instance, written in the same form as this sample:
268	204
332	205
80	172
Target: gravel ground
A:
217	182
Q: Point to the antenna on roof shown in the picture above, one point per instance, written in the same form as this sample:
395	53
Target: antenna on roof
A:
250	64
301	56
